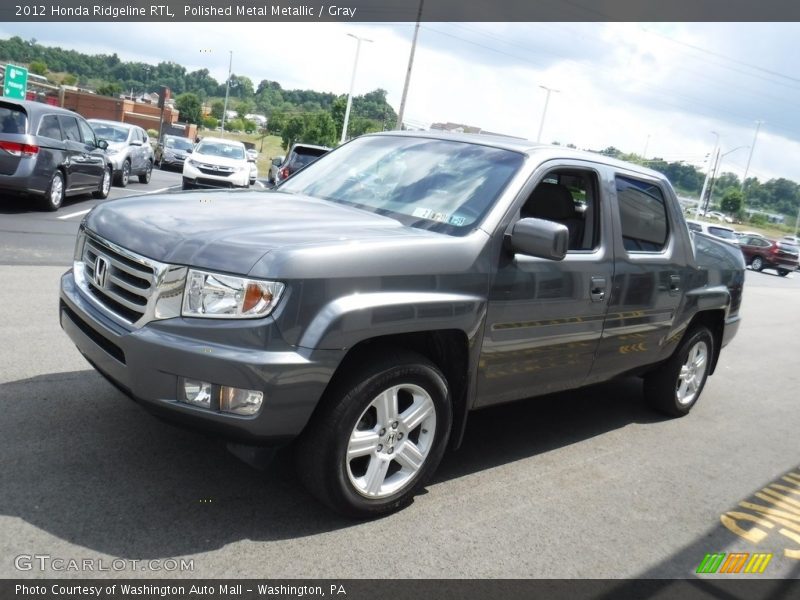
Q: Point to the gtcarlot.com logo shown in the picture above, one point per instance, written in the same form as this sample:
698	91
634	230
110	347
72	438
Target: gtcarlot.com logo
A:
734	563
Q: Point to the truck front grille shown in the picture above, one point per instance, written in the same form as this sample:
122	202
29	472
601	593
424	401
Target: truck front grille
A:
126	285
130	288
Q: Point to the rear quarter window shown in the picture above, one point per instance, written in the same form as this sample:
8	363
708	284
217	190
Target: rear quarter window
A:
643	214
13	120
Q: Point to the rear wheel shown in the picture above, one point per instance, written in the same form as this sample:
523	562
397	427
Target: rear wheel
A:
377	437
757	263
54	196
675	386
783	272
148	172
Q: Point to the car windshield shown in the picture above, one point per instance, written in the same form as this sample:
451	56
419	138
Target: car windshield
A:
111	133
221	149
440	185
12	120
176	143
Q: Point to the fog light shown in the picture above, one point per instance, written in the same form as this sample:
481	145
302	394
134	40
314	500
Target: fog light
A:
240	402
197	393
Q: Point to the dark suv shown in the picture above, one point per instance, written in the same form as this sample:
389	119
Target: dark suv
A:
761	253
299	156
48	153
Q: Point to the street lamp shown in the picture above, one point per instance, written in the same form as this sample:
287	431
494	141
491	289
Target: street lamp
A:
544	112
227	91
711	159
352	83
716	168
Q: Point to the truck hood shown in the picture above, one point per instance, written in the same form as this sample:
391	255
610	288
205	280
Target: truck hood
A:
254	232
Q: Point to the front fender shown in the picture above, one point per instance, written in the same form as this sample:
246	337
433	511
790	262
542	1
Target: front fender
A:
348	320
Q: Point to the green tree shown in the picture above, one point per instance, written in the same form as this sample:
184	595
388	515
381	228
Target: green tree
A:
732	201
319	129
292	131
244	108
69	79
277	121
210	122
110	89
216	109
190	108
37	67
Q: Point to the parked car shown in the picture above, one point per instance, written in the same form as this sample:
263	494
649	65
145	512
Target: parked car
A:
252	157
741	234
393	286
274	167
761	253
172	151
718	216
129	150
791	239
48	153
299	156
726	234
217	162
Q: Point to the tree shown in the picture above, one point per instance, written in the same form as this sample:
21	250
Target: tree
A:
110	89
69	79
244	108
277	121
216	109
37	67
732	202
190	108
319	129
292	131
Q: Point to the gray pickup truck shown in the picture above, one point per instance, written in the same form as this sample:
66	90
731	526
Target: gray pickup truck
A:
369	303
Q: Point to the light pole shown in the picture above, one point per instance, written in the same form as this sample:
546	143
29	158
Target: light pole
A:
227	90
352	84
711	159
646	144
544	112
750	157
716	168
399	124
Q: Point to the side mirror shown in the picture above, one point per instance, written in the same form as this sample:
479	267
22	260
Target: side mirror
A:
102	144
540	238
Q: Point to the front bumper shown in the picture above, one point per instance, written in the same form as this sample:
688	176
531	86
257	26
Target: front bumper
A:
148	364
195	177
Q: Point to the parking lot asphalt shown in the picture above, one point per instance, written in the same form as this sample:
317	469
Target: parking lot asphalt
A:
587	484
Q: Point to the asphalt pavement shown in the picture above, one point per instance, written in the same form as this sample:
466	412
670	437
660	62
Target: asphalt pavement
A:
588	484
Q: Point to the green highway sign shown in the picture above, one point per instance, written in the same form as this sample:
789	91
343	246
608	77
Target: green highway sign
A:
15	82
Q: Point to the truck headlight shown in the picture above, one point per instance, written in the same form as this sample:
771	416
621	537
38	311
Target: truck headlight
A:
216	296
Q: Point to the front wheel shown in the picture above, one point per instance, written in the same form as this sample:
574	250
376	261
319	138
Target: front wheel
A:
148	172
675	386
124	175
757	264
105	186
377	437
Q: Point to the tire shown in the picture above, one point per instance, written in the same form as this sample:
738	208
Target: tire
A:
148	173
675	386
394	418
757	263
105	185
124	175
783	272
185	185
54	196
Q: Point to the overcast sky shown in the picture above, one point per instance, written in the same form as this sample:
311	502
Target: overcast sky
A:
660	88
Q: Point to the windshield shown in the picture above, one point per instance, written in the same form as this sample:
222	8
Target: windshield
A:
111	133
221	149
176	143
440	185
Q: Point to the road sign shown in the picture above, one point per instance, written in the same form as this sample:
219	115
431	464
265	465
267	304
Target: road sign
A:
15	82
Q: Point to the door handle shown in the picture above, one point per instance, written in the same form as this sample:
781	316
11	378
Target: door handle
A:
597	290
674	284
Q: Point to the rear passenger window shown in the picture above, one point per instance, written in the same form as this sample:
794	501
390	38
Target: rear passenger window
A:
643	213
69	125
49	127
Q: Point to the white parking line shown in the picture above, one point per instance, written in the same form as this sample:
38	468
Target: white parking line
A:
161	190
75	214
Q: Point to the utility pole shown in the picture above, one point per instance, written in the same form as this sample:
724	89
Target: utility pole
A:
352	83
399	124
227	90
708	175
749	158
544	112
646	144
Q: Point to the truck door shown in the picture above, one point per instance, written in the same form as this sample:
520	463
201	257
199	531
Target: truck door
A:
650	268
545	318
